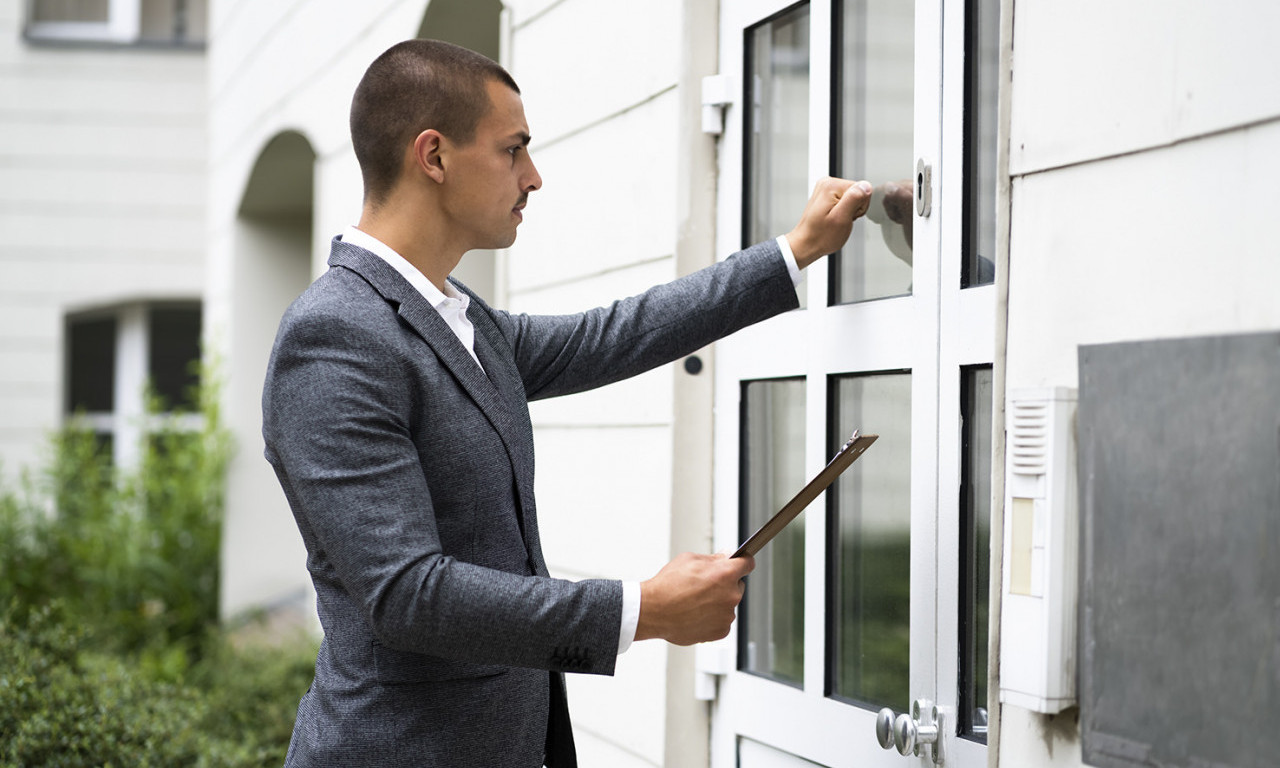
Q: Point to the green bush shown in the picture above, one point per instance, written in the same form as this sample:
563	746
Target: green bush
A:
110	649
133	555
66	705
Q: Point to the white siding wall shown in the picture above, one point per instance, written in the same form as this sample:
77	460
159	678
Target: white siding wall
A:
102	192
599	82
1145	144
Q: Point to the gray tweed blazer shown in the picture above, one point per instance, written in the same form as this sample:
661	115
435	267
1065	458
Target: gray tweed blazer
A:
410	471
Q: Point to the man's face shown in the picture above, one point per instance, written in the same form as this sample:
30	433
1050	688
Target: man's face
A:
489	180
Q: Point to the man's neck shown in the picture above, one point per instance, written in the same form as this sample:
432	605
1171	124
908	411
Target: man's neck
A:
411	238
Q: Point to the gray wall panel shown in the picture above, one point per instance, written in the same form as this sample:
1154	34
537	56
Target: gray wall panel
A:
1180	563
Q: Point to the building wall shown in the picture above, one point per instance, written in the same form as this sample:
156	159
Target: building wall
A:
1144	144
102	194
600	87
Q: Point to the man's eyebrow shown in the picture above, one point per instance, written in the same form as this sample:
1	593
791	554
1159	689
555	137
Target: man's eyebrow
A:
523	137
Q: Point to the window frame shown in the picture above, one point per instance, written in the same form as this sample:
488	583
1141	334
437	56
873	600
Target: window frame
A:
123	28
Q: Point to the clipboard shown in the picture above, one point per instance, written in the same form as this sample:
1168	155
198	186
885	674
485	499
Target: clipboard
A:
844	458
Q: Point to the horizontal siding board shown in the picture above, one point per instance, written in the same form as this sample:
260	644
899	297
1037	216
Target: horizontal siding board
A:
636	46
1155	73
607	201
603	496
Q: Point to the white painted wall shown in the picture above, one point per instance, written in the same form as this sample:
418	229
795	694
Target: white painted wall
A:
1145	144
599	82
102	195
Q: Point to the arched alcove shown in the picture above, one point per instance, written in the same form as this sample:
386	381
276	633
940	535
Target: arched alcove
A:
263	561
473	24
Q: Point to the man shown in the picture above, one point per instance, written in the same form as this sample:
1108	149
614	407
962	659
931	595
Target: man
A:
395	413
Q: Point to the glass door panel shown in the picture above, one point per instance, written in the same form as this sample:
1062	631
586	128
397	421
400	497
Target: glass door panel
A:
981	124
777	125
771	616
870	541
875	118
975	548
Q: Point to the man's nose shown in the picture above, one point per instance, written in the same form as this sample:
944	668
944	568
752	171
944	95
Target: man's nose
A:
532	180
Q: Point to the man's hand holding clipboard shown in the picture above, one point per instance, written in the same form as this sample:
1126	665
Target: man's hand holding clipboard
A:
849	453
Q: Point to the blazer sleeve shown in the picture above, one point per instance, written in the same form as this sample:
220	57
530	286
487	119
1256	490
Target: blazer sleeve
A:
564	354
336	430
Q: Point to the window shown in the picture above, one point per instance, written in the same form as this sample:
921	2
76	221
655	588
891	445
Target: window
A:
869	620
873	131
975	547
121	22
116	356
771	642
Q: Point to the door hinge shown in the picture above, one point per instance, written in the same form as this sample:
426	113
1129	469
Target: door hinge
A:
711	661
717	93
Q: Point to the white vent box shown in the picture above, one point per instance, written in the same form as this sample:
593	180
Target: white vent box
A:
1041	540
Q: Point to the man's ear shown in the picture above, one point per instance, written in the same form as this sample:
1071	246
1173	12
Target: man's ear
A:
428	147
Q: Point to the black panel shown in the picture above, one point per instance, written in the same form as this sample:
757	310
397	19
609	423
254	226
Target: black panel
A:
174	353
91	365
1180	563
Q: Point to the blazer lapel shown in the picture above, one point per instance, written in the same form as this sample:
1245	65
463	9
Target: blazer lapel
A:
499	395
427	323
495	354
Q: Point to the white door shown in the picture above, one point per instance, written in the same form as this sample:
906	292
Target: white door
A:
877	596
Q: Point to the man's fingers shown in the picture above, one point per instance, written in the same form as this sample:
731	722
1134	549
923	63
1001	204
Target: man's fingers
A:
853	201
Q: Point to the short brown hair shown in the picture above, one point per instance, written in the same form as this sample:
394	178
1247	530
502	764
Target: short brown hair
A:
411	87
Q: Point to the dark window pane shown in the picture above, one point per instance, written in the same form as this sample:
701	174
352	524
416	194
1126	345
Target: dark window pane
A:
982	114
91	364
975	548
875	109
771	617
870	523
174	354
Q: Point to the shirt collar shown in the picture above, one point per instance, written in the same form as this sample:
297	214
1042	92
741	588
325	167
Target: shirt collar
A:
418	280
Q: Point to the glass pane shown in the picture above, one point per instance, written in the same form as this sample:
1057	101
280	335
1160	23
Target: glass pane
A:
771	616
777	129
91	364
975	549
871	544
982	114
70	10
172	21
874	72
174	352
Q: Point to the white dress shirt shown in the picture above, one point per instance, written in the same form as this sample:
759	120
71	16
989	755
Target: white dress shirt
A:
452	306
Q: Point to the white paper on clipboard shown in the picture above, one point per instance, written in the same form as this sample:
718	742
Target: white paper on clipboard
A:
849	453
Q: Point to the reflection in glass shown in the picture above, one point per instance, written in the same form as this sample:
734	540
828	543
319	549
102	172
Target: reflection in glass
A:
870	538
777	129
981	117
771	616
975	548
875	116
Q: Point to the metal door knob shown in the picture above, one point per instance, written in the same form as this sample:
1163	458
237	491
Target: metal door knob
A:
884	728
908	735
922	728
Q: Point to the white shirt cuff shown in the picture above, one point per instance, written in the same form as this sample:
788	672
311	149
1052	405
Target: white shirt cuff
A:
630	615
790	258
